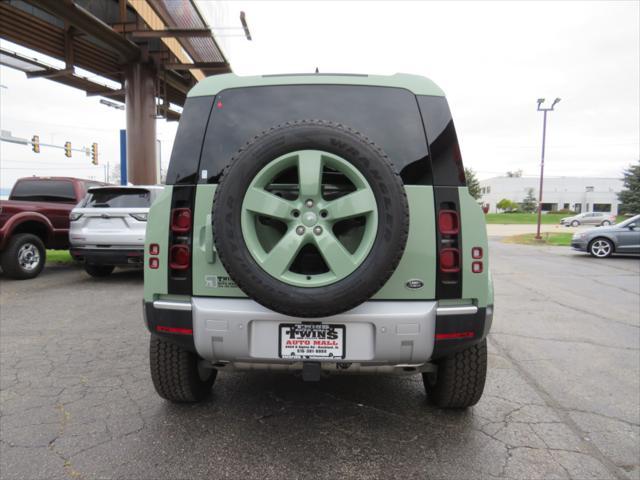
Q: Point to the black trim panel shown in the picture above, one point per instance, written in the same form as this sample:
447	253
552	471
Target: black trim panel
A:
448	285
479	324
154	317
179	281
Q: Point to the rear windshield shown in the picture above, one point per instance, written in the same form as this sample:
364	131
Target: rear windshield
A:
44	191
117	198
388	116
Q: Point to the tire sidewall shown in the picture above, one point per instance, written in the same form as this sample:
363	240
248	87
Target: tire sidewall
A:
390	236
10	261
601	239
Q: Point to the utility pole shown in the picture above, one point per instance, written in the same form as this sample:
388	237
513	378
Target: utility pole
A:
544	139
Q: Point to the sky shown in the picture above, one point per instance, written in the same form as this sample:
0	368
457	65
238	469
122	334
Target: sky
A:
493	60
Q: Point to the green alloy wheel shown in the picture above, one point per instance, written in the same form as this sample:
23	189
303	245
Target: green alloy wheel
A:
310	219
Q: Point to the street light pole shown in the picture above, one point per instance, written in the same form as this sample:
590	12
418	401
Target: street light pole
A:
544	140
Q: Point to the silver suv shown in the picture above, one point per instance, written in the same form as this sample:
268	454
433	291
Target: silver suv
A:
108	227
589	218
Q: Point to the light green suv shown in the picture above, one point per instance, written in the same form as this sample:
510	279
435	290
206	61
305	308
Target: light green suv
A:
317	224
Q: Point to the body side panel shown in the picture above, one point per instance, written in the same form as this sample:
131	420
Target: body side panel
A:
155	280
474	234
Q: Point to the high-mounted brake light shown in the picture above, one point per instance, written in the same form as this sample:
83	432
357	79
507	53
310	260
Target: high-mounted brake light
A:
448	222
450	260
179	257
181	220
154	249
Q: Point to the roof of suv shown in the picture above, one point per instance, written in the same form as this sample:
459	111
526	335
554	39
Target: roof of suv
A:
414	83
124	187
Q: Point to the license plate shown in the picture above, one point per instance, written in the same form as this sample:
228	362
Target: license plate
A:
311	341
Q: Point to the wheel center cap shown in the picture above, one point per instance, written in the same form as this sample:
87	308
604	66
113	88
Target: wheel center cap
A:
309	219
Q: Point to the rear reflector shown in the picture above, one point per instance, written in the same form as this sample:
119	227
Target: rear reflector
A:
476	267
454	336
179	257
476	252
154	249
181	220
448	222
449	260
154	263
181	331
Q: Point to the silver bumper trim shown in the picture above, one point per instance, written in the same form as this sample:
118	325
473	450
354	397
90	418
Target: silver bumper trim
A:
169	305
457	310
381	333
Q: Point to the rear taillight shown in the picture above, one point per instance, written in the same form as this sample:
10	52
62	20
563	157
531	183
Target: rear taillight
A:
448	222
181	220
154	249
154	263
449	260
179	257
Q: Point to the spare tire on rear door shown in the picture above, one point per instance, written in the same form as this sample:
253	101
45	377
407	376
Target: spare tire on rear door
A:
310	219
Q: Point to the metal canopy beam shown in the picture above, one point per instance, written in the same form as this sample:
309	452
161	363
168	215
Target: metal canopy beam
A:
172	32
197	65
87	23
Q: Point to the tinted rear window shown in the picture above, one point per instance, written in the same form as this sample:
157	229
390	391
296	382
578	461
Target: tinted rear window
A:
446	160
44	191
388	116
117	198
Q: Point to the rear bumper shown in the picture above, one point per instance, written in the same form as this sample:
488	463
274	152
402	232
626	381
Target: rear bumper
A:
110	256
384	336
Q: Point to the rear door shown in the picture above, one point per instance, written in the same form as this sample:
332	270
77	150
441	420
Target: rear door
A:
390	117
112	217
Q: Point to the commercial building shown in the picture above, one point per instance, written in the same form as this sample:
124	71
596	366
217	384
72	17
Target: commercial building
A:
580	194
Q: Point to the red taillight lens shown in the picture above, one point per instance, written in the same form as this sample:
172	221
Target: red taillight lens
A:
449	260
448	222
179	257
181	220
476	252
154	263
154	249
476	267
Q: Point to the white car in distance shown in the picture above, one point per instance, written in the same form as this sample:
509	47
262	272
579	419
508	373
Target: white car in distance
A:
108	226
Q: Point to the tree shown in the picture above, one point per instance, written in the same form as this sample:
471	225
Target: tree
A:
507	205
472	183
630	195
529	204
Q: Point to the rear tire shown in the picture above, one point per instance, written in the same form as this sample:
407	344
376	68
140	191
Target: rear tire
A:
459	381
176	374
575	223
605	223
24	257
99	271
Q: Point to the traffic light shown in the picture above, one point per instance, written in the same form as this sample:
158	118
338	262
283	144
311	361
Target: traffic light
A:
94	153
35	143
67	149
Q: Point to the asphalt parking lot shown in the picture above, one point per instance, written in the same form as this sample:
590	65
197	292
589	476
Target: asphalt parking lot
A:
562	398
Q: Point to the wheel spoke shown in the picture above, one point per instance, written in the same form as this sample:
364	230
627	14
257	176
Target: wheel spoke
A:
352	205
338	259
264	203
310	173
280	258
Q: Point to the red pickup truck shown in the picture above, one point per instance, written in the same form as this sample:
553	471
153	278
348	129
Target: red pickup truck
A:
36	218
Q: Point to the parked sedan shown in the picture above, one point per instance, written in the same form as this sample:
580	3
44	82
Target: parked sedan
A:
589	218
108	227
604	241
